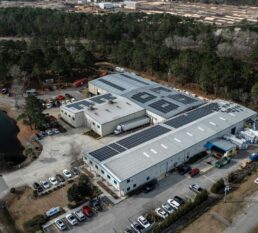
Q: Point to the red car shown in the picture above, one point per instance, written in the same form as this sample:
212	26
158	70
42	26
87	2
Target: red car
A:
194	172
87	211
60	97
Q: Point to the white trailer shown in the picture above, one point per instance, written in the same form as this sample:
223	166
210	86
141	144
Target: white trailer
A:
123	127
249	136
241	143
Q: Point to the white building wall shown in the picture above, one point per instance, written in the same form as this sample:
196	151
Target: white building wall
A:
74	119
95	90
154	117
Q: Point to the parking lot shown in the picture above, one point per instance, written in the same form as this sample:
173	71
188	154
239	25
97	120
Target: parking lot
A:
121	215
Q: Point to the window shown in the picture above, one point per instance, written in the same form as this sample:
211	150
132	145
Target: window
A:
65	113
96	167
148	178
128	189
93	123
102	172
73	118
108	176
128	180
134	185
115	182
90	162
98	126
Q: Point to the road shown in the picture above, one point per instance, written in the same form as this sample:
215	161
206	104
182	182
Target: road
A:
118	217
246	221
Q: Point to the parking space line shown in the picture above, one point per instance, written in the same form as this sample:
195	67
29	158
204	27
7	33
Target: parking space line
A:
208	178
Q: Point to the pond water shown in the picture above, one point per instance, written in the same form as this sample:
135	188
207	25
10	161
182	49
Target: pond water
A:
10	147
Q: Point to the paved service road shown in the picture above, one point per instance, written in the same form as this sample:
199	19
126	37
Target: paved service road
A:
118	217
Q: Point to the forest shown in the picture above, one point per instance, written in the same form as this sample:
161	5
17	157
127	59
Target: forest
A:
67	44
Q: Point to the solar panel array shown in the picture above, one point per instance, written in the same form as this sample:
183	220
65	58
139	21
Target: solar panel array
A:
101	99
111	84
182	98
143	136
163	106
134	79
159	90
192	116
103	153
117	147
143	97
113	149
79	105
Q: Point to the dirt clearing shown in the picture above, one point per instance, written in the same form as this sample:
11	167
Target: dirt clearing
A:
226	211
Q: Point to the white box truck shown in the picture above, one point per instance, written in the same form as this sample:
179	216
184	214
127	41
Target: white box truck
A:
123	127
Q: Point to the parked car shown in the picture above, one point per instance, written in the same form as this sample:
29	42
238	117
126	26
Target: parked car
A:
60	178
194	172
179	200
63	102
55	131
67	95
128	230
137	227
183	169
36	185
49	132
79	215
195	188
75	171
148	188
168	208
87	211
95	203
73	99
173	203
4	91
53	180
67	101
256	181
144	222
40	189
60	225
71	219
67	173
45	184
162	213
60	97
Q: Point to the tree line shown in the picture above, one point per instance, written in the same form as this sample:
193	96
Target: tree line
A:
135	40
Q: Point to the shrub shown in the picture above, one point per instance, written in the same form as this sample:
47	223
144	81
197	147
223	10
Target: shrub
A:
35	223
218	186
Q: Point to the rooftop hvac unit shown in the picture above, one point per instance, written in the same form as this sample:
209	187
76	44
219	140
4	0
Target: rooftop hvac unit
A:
111	101
91	107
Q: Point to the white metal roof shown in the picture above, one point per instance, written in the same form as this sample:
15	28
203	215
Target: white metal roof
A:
132	161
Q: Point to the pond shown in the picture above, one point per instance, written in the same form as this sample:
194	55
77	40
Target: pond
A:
10	147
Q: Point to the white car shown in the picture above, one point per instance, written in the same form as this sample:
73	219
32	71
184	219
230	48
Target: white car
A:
162	213
49	132
62	102
79	215
60	225
173	203
45	184
68	101
168	208
72	99
53	180
144	222
55	131
71	219
67	173
256	181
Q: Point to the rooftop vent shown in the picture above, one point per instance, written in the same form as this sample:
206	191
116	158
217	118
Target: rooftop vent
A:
111	101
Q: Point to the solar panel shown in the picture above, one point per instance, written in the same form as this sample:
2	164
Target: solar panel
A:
143	97
163	106
182	98
101	98
117	147
160	90
143	136
186	118
111	84
79	105
134	79
103	153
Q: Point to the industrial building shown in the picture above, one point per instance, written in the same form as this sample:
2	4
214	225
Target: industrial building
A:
160	102
101	113
149	154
